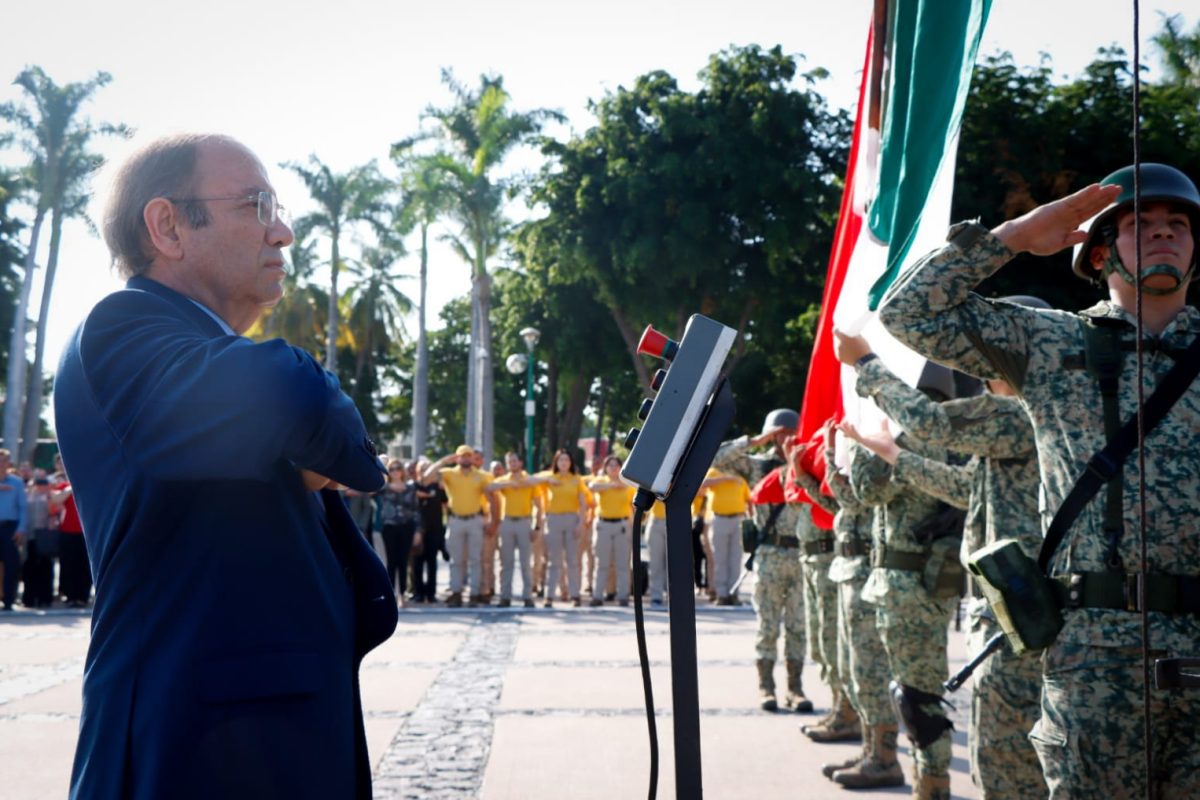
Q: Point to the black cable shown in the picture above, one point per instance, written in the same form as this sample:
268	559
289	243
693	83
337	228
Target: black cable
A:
641	503
1147	721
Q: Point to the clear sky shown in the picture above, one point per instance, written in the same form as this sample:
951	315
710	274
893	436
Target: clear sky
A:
346	79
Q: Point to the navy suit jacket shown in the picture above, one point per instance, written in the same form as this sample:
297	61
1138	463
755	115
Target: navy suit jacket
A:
232	606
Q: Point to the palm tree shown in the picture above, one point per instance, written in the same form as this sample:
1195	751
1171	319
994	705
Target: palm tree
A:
476	132
342	200
1180	52
56	141
426	197
299	316
69	202
375	305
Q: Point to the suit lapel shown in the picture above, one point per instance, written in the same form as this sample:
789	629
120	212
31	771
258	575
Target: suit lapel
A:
188	309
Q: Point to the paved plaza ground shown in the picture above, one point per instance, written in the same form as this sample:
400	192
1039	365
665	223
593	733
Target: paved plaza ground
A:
493	704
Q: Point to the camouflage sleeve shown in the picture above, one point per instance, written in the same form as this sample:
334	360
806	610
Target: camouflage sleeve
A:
734	456
909	407
990	426
839	484
870	477
932	309
812	488
946	482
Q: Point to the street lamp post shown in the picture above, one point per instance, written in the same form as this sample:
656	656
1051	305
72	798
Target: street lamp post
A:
514	364
531	336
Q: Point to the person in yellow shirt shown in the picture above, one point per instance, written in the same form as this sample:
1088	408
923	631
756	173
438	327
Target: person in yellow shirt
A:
466	487
728	502
584	551
566	510
656	532
491	531
519	497
613	530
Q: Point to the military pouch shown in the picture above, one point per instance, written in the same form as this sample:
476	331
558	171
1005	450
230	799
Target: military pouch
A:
750	536
1020	595
943	573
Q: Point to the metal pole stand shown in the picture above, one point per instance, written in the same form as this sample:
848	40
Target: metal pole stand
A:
685	694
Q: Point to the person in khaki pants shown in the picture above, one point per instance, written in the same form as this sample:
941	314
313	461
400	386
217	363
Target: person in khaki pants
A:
566	513
466	489
518	496
728	502
613	530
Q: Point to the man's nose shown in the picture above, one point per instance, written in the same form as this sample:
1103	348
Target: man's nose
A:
279	234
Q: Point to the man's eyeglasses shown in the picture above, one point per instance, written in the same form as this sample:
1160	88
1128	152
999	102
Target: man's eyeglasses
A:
266	204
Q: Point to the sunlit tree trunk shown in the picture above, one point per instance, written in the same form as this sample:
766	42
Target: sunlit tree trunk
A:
15	386
421	373
33	400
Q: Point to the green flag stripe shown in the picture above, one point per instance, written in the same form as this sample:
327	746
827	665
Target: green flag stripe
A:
932	52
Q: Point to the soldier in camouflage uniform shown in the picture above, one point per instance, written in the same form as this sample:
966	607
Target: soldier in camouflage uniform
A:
820	602
998	488
1090	736
779	590
862	659
912	621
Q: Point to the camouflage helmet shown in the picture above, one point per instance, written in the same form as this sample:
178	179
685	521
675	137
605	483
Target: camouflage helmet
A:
781	418
1160	183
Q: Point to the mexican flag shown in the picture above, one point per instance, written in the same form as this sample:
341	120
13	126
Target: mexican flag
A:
896	203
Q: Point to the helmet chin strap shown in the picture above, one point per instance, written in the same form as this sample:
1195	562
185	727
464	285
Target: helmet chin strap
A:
1113	263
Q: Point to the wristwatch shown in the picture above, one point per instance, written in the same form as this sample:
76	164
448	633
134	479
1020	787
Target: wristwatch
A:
964	235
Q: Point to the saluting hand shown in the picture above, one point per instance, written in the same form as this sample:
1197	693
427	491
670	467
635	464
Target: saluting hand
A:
1051	227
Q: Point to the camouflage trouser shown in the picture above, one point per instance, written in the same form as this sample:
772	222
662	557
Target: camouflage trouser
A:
779	600
1090	736
1004	706
913	627
820	616
862	655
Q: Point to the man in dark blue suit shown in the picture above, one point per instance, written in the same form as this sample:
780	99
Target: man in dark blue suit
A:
235	597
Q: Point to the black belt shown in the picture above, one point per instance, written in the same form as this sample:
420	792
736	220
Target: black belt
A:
466	516
789	542
851	548
613	519
1170	594
884	557
816	547
728	516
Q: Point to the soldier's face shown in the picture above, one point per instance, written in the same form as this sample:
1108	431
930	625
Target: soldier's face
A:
1166	239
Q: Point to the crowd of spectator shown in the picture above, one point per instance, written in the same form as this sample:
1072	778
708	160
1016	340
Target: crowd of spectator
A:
567	532
43	557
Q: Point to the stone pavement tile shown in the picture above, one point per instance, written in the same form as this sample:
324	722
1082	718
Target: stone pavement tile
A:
725	647
394	689
588	756
65	699
413	643
46	649
35	758
583	644
380	732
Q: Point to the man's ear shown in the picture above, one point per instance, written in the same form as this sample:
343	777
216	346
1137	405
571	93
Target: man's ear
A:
1097	256
163	222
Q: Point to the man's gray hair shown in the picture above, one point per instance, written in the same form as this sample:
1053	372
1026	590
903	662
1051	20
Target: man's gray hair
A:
163	168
